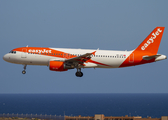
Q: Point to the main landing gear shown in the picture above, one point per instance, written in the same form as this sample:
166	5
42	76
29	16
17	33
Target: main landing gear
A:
24	71
79	73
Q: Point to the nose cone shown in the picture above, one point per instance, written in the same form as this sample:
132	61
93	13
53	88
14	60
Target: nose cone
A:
6	57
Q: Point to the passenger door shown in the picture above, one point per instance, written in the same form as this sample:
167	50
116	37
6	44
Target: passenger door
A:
24	53
131	58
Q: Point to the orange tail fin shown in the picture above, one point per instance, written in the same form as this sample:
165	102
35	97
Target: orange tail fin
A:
152	42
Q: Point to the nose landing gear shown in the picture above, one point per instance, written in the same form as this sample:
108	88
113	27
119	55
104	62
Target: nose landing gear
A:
24	71
79	73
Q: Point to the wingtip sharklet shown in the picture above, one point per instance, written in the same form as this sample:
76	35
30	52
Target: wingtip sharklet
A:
94	52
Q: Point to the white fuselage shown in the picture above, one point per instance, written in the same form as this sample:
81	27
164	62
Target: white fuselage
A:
102	58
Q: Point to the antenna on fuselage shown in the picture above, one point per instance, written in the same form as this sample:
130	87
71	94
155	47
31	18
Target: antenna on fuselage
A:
27	46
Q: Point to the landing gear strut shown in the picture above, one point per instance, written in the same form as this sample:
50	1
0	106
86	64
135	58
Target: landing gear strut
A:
79	73
24	71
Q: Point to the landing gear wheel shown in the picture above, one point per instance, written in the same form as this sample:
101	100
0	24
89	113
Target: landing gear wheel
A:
79	74
23	72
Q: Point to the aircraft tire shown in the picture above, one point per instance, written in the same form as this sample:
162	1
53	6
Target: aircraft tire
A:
23	72
79	74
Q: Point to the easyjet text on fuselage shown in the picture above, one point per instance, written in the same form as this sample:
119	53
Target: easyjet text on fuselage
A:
39	51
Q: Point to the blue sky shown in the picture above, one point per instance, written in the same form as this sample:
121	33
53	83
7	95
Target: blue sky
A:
108	24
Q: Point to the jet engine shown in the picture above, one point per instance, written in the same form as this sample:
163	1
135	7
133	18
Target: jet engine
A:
59	66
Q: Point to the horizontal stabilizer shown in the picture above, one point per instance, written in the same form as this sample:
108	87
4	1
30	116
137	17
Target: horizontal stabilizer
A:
150	57
156	57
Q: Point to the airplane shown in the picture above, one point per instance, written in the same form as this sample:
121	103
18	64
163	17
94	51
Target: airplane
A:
63	59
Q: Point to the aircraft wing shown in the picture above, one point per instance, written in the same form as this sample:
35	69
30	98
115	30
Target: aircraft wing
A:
81	59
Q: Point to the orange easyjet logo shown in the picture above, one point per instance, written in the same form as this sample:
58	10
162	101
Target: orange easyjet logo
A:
39	51
151	39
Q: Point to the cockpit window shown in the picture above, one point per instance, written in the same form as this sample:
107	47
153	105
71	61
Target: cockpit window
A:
14	52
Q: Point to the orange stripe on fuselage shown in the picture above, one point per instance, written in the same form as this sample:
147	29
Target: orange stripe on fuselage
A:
98	63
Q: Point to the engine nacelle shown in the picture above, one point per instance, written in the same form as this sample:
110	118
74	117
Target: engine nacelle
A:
57	66
60	66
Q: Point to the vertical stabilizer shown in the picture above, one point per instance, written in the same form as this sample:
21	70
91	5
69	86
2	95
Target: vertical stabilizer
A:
152	42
